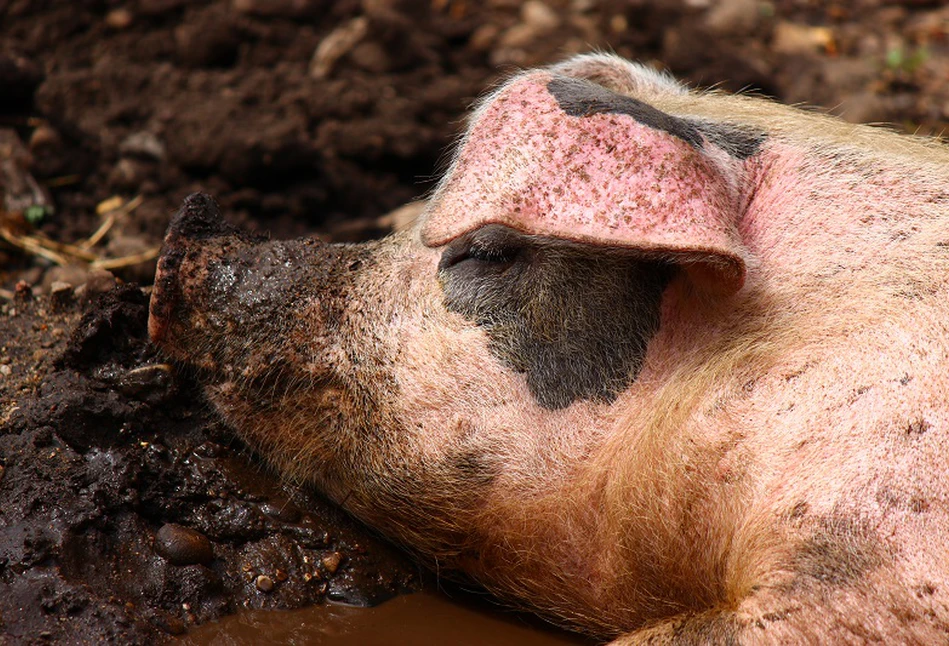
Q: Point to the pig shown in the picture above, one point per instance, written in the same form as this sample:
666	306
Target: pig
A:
662	365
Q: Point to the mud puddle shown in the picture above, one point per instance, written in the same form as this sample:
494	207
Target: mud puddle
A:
419	619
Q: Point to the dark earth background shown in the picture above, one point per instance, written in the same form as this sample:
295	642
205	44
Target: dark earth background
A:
127	512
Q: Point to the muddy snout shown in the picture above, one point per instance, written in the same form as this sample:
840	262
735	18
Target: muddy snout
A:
196	240
235	304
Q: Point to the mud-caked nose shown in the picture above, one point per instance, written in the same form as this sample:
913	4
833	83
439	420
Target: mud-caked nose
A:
196	234
246	307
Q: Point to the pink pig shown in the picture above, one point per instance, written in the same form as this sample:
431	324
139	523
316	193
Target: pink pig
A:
661	365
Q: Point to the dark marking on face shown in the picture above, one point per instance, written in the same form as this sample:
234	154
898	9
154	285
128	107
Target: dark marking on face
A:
737	141
582	98
574	318
842	549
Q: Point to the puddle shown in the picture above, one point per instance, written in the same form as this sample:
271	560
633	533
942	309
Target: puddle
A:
421	619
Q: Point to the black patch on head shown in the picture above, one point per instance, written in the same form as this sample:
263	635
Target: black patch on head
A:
574	318
582	98
738	142
841	550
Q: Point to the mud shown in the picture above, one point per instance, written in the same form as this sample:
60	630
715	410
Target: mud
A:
411	620
301	117
129	513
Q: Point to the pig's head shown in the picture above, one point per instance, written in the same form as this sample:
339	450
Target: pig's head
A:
437	382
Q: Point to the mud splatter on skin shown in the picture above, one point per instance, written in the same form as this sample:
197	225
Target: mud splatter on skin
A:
842	549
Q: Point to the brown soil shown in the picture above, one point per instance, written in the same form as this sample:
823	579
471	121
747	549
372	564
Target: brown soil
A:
301	117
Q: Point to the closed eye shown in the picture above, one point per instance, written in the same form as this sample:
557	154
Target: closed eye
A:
491	247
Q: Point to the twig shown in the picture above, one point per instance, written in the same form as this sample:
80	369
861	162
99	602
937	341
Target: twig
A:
126	261
111	218
32	246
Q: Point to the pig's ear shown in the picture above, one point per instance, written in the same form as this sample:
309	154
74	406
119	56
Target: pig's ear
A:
559	156
619	75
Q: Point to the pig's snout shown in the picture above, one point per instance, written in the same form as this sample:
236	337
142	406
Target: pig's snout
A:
244	307
194	232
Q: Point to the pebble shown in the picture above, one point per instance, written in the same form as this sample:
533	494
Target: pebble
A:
23	292
119	19
792	38
5	370
147	383
264	583
71	275
182	545
44	137
539	16
331	562
143	144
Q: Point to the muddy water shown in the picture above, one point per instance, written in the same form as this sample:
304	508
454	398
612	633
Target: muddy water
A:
423	619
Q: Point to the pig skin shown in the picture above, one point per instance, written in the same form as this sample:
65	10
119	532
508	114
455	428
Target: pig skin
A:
775	468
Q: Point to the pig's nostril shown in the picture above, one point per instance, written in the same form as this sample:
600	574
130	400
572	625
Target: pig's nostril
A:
196	222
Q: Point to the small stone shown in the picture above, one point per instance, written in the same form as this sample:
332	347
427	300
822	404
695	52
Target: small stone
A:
539	16
119	19
44	138
519	35
792	38
483	37
264	583
331	562
146	383
281	575
71	275
183	546
22	292
6	370
143	144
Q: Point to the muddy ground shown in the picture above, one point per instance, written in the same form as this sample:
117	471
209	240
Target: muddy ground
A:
127	512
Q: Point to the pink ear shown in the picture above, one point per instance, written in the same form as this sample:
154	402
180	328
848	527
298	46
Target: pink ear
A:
601	178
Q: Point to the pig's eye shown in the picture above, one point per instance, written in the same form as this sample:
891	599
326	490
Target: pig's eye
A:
491	248
493	255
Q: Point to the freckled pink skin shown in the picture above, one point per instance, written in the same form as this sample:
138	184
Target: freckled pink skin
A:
603	179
